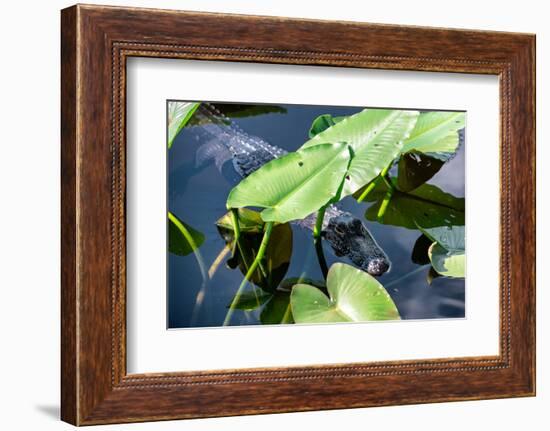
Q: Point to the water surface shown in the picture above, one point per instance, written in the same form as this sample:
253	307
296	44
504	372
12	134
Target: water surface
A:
197	195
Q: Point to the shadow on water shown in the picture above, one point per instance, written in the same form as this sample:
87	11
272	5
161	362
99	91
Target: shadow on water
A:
198	192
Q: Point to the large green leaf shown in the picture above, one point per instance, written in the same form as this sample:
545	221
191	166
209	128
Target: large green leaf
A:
295	185
448	252
182	238
355	296
427	206
436	134
376	137
179	114
277	255
433	141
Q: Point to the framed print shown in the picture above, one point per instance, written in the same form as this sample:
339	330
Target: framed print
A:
336	209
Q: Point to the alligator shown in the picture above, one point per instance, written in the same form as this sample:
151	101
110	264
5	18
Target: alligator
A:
225	140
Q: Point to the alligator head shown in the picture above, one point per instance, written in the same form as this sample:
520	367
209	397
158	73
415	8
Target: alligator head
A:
349	237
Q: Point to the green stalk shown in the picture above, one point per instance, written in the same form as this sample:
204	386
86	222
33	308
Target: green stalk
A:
388	182
373	183
367	190
236	231
237	243
259	256
384	204
318	242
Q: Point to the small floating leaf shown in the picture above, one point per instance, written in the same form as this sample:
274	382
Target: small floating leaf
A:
182	238
447	263
447	253
355	296
451	238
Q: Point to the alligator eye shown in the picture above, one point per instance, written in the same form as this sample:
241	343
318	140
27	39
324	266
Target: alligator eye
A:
339	229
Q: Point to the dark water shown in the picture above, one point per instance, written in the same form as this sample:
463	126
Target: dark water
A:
198	195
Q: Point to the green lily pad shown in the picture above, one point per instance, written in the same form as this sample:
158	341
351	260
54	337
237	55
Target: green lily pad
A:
355	296
449	264
447	253
451	238
295	185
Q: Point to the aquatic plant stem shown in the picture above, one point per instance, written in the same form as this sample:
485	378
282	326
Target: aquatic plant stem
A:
236	231
259	257
317	240
384	204
389	193
370	187
388	182
237	243
216	263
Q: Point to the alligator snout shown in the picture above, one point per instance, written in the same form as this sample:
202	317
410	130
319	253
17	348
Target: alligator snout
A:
377	266
349	237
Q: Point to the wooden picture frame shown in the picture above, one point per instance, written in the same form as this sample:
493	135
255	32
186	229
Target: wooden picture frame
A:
95	43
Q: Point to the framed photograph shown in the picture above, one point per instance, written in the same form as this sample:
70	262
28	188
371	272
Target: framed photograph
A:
329	214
